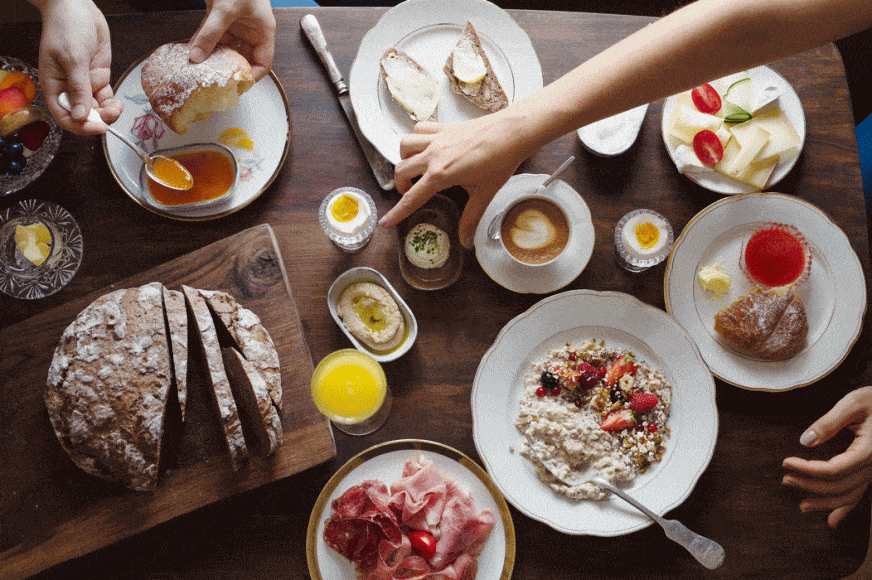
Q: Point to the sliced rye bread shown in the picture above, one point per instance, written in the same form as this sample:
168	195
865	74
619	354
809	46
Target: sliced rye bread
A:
260	420
177	323
251	338
399	56
490	95
108	386
228	412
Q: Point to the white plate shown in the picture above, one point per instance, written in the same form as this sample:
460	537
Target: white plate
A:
506	272
385	462
623	322
788	102
364	274
834	294
263	113
427	30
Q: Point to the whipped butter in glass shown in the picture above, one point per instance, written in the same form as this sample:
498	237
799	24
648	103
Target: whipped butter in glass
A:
427	246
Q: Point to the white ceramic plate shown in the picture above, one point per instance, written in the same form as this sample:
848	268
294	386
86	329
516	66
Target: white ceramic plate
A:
834	294
623	322
788	102
385	462
509	274
364	274
427	30
263	113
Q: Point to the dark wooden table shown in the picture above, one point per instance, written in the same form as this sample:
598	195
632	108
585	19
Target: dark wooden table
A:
738	501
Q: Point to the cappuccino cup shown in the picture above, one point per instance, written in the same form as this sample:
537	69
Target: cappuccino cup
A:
534	230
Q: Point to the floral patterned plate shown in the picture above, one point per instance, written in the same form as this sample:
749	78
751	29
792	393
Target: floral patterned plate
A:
258	131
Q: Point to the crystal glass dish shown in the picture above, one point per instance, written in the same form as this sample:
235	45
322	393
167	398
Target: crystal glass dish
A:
19	277
634	259
352	240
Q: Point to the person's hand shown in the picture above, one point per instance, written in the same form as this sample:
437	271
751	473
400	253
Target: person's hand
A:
479	155
75	56
840	482
248	26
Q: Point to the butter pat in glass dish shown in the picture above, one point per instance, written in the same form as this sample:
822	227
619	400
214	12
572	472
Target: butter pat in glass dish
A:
348	217
430	254
372	314
643	238
40	249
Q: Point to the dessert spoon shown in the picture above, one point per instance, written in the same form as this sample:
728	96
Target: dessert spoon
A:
707	552
493	229
181	177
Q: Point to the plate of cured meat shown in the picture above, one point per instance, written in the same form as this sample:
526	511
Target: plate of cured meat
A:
410	508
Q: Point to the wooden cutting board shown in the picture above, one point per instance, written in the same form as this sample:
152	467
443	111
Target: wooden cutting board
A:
52	511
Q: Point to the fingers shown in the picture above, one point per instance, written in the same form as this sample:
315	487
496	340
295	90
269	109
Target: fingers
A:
472	213
828	487
207	36
408	169
411	201
414	143
838	514
108	106
853	407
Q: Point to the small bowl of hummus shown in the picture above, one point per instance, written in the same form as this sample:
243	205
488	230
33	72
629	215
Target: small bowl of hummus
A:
371	314
431	257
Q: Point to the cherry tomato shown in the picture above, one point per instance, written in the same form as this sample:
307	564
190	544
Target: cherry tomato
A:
424	542
706	99
708	147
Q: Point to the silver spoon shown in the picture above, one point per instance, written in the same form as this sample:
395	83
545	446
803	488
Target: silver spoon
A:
493	229
148	159
707	552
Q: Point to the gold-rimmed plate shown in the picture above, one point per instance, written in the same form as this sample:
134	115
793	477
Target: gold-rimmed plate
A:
385	462
262	116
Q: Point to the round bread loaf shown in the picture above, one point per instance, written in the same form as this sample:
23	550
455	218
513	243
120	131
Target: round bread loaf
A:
181	92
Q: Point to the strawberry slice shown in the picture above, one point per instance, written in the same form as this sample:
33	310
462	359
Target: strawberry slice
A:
643	402
34	134
625	364
618	420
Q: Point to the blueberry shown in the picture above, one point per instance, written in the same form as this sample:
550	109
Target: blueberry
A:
548	380
22	161
617	395
14	149
2	142
15	167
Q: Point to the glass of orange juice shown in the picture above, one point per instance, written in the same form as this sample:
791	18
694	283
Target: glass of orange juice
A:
350	388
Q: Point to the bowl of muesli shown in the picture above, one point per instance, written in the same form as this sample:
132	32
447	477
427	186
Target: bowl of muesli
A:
594	410
594	383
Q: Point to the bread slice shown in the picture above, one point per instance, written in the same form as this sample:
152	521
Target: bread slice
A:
228	412
251	338
260	421
410	84
486	94
771	324
177	323
108	385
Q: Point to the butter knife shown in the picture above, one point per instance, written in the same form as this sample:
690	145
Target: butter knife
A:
381	167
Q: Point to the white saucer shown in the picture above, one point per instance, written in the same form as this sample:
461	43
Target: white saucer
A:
503	270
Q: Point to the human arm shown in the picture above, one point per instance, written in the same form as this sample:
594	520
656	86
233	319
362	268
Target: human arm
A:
246	25
75	56
840	482
700	42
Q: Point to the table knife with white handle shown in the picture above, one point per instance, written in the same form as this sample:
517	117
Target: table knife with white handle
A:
381	167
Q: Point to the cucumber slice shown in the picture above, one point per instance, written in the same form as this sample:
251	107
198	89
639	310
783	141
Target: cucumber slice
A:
723	84
740	93
738	117
732	113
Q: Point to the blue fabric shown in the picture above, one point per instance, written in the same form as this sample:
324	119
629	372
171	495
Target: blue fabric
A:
864	146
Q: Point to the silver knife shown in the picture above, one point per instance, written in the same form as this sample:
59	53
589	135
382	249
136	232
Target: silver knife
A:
381	167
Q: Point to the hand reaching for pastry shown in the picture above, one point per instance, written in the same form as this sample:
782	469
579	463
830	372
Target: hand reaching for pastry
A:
75	56
840	482
248	26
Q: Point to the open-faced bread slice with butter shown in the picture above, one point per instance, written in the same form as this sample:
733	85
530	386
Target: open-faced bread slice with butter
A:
410	85
470	73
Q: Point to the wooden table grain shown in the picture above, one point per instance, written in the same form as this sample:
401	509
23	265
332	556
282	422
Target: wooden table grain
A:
739	500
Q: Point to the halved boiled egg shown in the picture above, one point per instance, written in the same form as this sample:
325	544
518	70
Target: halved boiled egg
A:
644	235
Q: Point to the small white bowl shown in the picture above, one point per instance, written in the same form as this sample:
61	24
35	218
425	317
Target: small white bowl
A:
364	274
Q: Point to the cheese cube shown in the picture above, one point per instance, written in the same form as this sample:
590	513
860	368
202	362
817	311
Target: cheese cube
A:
782	136
687	122
757	173
750	144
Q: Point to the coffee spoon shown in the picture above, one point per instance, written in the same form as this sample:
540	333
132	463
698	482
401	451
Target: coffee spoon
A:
493	229
707	552
170	172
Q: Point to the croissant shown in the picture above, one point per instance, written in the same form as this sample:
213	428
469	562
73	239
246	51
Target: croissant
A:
771	324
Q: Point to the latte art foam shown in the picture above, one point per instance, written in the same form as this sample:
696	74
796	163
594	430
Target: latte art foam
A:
532	230
535	230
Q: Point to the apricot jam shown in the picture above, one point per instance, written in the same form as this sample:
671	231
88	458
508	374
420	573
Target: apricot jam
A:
776	255
171	172
213	177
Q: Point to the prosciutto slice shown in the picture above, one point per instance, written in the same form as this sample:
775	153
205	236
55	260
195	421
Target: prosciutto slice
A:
369	526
